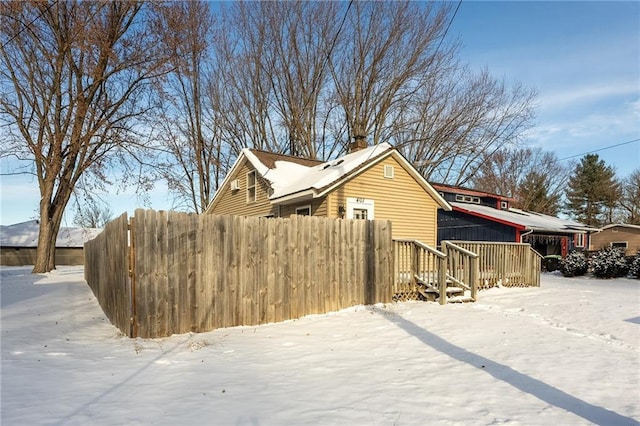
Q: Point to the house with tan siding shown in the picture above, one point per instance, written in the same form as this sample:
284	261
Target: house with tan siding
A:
618	235
375	182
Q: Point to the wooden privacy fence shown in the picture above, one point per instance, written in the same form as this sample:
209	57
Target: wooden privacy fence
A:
506	264
193	273
106	270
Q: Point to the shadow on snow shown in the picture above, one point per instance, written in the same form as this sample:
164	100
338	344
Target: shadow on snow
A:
534	387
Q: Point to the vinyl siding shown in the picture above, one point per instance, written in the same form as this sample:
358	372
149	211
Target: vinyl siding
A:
615	235
235	202
402	200
318	207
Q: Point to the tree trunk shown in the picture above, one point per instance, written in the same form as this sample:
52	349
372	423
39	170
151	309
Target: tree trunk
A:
50	220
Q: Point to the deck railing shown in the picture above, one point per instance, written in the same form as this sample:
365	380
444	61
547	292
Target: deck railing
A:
505	264
420	268
462	267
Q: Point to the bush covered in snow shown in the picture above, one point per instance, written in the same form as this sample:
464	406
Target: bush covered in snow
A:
634	270
609	262
574	264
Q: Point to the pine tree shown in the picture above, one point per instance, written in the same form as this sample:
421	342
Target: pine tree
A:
592	191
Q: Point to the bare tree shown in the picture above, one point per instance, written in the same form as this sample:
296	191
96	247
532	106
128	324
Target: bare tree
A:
534	178
92	214
73	77
383	58
189	125
461	119
630	200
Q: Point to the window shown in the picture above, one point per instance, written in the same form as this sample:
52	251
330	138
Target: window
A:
579	240
621	244
251	187
467	199
360	214
504	205
359	208
303	211
388	172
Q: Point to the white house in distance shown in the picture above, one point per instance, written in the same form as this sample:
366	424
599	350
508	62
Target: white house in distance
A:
18	244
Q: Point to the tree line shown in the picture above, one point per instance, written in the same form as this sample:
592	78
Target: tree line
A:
125	93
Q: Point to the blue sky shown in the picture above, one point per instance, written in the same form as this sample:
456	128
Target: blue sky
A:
582	57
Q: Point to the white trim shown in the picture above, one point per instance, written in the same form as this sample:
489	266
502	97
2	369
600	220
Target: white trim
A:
626	244
234	169
362	204
406	165
254	186
307	207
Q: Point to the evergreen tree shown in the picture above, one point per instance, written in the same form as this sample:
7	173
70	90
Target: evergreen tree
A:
592	191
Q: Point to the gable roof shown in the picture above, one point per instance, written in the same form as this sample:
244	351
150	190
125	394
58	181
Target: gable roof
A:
524	220
293	178
466	191
25	234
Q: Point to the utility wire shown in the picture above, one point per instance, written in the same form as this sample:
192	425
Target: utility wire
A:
599	149
29	24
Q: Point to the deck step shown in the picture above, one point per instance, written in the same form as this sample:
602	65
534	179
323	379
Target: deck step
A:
460	299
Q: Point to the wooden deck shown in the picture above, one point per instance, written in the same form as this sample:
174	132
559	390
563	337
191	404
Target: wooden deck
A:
457	271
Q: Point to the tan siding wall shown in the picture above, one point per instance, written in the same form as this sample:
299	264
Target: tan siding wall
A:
235	202
12	256
318	207
412	211
611	235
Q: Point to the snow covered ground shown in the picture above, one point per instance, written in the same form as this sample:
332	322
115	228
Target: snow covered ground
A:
565	353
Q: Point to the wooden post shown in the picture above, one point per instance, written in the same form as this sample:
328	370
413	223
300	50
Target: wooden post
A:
133	328
442	275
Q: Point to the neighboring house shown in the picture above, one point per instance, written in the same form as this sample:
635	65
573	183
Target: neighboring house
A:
18	244
376	182
482	216
617	235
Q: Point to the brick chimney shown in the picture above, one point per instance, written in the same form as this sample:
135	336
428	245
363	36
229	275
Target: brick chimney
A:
359	142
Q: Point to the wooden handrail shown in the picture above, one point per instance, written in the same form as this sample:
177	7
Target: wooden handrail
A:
460	249
423	246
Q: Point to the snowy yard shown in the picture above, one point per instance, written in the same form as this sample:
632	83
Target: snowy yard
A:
565	353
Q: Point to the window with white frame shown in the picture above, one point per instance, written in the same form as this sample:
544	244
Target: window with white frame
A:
388	172
303	211
360	208
251	187
621	244
580	240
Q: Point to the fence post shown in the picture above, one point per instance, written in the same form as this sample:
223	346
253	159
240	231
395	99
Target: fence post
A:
442	275
133	327
473	277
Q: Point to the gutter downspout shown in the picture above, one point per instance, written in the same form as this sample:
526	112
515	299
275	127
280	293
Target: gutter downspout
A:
526	233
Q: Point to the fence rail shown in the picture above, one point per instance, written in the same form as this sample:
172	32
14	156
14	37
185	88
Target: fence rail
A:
201	272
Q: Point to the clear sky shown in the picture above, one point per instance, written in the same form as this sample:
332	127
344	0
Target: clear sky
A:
582	57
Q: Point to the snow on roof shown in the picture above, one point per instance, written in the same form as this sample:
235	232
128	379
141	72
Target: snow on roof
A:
288	177
621	225
25	234
526	219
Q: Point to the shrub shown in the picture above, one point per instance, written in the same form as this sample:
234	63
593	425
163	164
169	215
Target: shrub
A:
634	269
609	262
574	264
